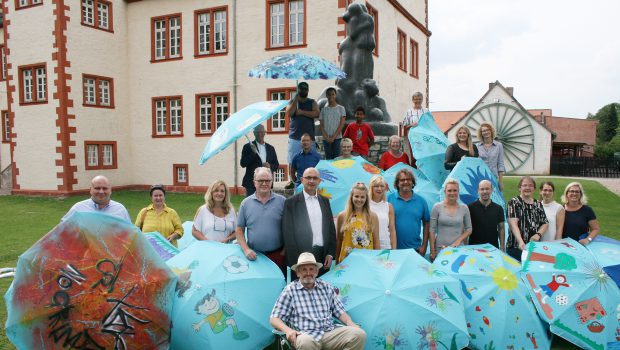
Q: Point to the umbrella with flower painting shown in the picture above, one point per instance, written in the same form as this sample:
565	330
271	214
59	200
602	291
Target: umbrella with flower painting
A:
400	300
573	293
223	300
496	300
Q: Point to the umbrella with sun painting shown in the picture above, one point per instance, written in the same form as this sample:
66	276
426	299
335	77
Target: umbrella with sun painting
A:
496	300
573	293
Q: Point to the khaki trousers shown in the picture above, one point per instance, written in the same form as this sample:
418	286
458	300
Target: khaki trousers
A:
339	338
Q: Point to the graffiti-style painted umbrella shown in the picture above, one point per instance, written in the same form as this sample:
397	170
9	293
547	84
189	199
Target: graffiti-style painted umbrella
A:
222	300
239	124
400	300
297	66
338	176
162	246
93	282
573	293
607	252
498	308
424	187
429	145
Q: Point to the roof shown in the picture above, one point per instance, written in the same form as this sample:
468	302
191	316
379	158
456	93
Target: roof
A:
573	130
446	119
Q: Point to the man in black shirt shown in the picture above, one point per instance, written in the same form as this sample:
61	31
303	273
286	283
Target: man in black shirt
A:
487	218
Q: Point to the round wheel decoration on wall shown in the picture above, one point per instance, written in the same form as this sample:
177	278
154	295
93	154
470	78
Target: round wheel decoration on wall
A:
513	129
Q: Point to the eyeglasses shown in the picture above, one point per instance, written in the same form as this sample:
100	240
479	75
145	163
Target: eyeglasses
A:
574	191
263	181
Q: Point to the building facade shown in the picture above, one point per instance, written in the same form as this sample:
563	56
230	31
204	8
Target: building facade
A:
134	89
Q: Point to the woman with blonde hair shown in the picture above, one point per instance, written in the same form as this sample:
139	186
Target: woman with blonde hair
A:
579	218
346	147
158	217
491	151
463	147
356	225
450	224
216	219
384	210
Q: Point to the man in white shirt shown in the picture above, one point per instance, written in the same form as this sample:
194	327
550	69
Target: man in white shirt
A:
99	201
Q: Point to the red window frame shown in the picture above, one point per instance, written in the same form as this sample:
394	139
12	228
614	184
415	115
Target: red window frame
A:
3	71
286	45
6	124
95	24
168	124
97	79
175	174
100	145
401	50
167	57
415	58
30	3
211	11
213	95
32	68
375	16
287	95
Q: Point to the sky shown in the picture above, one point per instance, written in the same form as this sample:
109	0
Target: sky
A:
557	54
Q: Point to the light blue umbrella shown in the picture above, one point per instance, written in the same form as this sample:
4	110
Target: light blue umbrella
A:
423	186
469	171
607	252
573	293
223	300
187	238
400	300
339	176
162	246
428	145
499	311
239	124
297	66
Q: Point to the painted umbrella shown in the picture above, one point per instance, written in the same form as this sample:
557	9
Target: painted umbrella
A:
297	66
573	293
429	145
93	282
223	300
338	176
239	124
400	300
498	308
607	252
162	246
424	187
187	238
469	171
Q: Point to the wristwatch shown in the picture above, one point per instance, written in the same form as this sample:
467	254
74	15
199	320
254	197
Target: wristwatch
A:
589	239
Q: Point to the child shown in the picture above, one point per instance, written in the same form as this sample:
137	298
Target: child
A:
360	133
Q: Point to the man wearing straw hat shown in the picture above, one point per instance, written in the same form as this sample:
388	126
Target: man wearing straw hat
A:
306	308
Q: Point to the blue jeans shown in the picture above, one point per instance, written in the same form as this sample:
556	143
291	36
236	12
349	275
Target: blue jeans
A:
332	150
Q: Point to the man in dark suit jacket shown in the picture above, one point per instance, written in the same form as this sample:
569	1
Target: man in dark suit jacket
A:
256	154
308	223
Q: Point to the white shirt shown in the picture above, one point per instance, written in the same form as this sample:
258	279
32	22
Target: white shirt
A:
551	211
413	115
316	218
262	152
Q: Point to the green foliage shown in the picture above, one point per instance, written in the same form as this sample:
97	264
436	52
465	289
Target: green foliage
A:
608	123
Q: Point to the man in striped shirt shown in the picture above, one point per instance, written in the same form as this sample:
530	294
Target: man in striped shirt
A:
306	308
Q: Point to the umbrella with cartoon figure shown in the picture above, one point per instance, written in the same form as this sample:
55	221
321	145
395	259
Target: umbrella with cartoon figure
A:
400	300
223	300
93	282
498	309
573	293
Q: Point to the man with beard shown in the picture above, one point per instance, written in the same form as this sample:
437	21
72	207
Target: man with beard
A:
99	201
487	218
302	111
411	213
306	308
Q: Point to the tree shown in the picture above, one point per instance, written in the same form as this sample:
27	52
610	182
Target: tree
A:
608	123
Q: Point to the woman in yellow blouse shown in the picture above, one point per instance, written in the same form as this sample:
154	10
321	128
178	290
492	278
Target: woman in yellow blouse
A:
158	217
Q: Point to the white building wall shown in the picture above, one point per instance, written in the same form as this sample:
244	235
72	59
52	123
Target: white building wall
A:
5	148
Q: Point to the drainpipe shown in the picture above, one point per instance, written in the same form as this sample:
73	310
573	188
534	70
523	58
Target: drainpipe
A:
236	161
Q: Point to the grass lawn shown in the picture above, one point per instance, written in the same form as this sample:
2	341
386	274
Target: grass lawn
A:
25	219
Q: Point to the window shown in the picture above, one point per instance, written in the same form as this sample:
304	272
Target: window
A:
97	14
33	84
167	116
98	91
6	127
211	31
375	16
402	50
100	155
286	23
20	4
211	112
181	174
413	45
281	174
166	38
279	122
2	63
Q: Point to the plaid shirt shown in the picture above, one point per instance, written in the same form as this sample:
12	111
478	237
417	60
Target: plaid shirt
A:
309	311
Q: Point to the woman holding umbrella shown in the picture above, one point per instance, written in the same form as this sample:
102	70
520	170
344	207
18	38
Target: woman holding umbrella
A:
464	147
157	217
356	226
580	218
216	219
384	211
450	221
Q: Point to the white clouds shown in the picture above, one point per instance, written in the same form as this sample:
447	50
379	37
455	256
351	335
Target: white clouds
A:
557	54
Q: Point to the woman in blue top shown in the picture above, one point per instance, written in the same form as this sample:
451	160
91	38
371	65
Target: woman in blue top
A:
579	218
